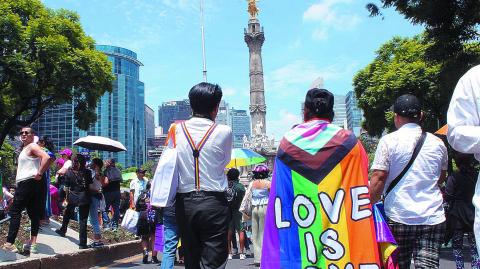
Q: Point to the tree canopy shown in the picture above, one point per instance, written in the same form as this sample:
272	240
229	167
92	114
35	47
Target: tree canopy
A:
432	63
398	68
46	59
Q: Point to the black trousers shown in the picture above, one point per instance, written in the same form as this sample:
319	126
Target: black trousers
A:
203	224
82	222
28	195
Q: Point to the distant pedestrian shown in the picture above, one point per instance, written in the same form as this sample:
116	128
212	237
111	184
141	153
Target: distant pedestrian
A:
463	119
97	201
260	191
235	193
5	201
461	212
147	222
77	181
137	186
66	155
111	190
33	161
47	145
414	205
204	149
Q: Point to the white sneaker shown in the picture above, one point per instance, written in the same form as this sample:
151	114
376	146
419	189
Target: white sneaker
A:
242	256
229	256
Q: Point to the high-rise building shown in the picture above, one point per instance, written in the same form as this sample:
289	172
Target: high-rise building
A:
171	111
223	116
120	113
340	110
240	123
59	125
354	113
149	127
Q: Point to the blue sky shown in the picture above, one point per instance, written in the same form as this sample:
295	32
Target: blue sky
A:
304	40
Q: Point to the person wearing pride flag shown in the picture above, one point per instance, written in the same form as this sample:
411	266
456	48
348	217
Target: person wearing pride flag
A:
409	166
319	213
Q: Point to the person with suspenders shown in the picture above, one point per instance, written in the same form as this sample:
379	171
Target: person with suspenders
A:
204	149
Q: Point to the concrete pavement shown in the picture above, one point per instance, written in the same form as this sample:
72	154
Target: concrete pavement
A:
49	244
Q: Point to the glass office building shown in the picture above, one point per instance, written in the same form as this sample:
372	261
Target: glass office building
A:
240	123
149	127
120	113
354	113
340	110
172	111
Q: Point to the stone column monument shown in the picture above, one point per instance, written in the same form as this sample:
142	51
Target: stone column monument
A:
254	38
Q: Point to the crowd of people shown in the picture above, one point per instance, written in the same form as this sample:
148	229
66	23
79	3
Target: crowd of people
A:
214	216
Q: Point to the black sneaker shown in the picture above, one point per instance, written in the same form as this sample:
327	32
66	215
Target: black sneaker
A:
155	260
60	232
145	257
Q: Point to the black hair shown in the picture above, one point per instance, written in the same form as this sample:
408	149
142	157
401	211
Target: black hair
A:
81	160
233	174
98	162
48	143
204	98
319	113
260	175
32	131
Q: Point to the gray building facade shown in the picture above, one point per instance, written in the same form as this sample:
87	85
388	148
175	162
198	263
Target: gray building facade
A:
340	110
149	127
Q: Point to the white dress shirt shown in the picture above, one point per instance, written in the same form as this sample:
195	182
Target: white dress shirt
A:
214	156
463	115
416	200
463	119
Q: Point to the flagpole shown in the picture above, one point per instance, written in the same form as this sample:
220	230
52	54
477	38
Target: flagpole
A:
203	40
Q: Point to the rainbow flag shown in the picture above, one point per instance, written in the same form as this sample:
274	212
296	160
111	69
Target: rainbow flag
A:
319	214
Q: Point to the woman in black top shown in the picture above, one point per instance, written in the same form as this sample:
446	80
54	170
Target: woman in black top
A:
461	213
77	181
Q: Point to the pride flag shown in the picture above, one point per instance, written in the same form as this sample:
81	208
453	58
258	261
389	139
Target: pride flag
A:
319	213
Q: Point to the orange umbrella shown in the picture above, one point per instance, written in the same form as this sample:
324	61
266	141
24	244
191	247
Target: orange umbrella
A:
443	130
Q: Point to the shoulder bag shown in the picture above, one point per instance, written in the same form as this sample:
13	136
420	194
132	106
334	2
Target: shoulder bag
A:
417	149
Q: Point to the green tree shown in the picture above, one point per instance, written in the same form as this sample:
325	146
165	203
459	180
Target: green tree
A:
7	164
400	67
46	59
451	29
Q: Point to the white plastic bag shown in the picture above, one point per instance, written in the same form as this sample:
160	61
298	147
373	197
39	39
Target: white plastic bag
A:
165	181
130	220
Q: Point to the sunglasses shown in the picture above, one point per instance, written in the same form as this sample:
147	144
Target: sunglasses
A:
25	133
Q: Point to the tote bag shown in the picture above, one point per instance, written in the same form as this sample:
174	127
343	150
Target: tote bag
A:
165	181
130	220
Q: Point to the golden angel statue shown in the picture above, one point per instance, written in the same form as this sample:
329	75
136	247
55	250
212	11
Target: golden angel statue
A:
252	8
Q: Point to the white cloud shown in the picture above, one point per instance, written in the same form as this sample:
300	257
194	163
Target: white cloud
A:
229	91
287	80
286	120
330	14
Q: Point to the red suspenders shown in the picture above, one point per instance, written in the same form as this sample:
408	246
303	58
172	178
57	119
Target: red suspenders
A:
196	150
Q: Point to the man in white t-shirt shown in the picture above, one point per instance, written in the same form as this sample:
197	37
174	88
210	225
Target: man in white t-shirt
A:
414	206
137	185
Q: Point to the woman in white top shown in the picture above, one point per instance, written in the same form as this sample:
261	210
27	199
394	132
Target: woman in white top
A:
260	190
33	161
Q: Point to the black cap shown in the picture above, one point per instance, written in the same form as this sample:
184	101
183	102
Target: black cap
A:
140	170
408	106
319	101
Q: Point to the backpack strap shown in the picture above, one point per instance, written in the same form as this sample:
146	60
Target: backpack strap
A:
196	148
